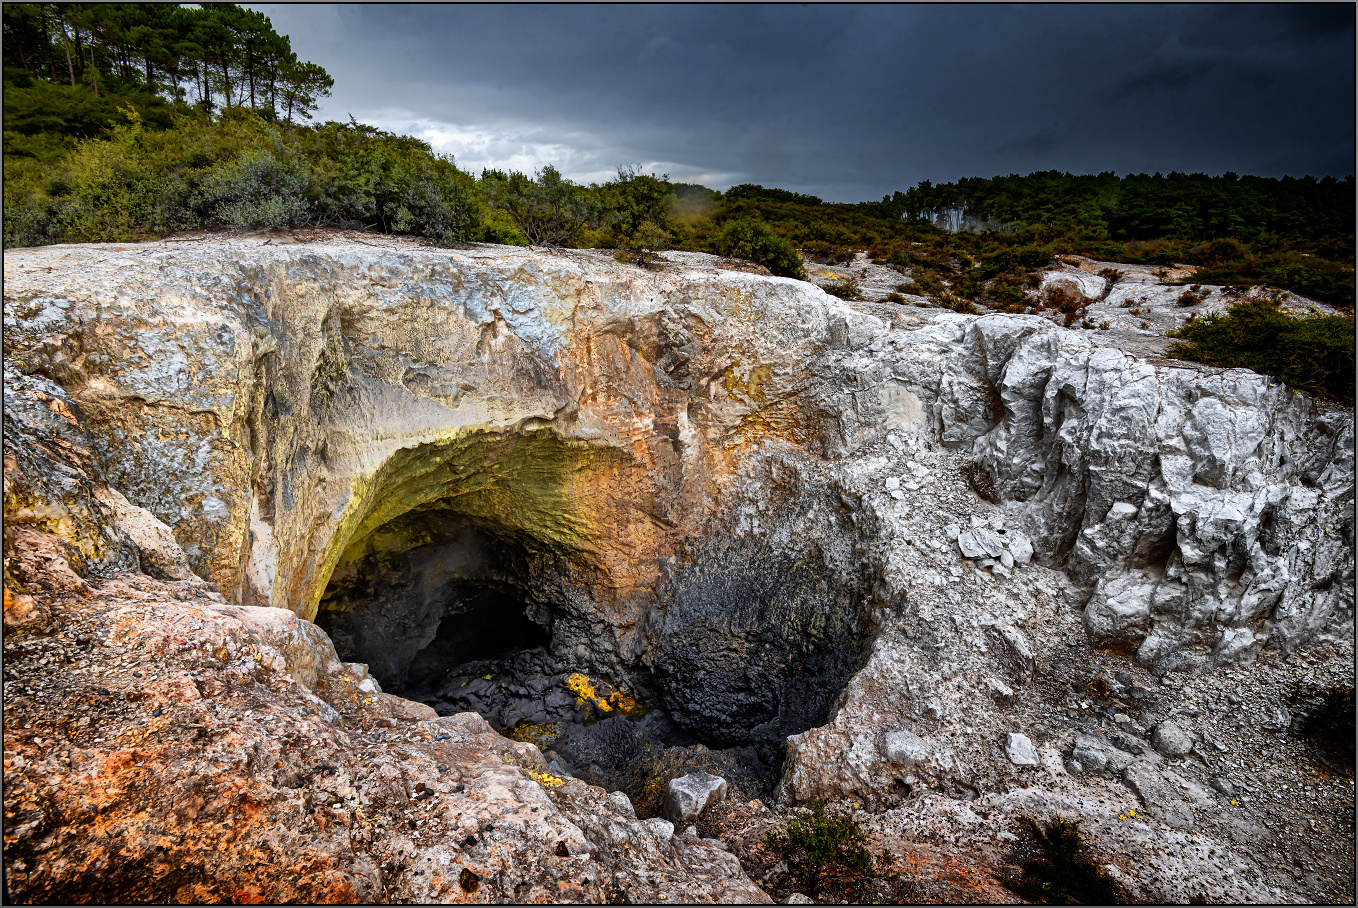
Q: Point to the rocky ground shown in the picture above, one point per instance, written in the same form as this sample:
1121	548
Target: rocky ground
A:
162	746
1136	312
972	569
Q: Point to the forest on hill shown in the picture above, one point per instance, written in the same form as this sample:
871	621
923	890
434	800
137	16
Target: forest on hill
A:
128	121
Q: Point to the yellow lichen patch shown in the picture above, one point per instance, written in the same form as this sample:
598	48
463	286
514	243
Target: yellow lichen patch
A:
546	780
541	735
782	419
579	685
826	272
749	384
607	703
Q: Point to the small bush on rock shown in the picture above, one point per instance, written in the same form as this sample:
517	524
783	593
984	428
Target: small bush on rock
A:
826	855
1193	295
845	290
1070	302
1061	873
645	243
755	241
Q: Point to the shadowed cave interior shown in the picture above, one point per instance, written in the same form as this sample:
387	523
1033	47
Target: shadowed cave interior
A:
742	648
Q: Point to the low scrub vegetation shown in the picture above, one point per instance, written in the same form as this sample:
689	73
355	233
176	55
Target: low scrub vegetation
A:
238	171
1057	871
845	290
1312	353
827	857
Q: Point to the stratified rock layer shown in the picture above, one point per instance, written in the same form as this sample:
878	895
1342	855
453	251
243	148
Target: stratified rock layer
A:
890	534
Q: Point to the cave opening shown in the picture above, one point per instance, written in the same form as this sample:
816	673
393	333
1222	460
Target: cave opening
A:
493	627
742	648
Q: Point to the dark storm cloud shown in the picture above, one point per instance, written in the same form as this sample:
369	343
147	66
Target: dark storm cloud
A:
849	102
1028	146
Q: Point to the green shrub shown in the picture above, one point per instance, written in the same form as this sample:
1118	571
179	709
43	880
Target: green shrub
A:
636	203
845	290
1312	353
645	243
496	227
755	241
925	282
1062	874
548	209
362	177
827	856
254	190
1007	294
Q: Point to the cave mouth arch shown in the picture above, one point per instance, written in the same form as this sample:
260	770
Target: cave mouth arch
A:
436	595
479	602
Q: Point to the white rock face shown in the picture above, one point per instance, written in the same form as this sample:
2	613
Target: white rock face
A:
1191	496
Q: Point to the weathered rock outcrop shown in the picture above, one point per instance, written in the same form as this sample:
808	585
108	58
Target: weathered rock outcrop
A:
888	535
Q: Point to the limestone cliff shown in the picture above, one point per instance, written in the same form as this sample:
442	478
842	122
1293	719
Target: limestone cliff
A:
888	536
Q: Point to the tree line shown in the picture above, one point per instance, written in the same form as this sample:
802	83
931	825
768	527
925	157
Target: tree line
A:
214	56
1177	206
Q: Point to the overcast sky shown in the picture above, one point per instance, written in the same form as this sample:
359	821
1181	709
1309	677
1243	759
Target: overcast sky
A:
847	102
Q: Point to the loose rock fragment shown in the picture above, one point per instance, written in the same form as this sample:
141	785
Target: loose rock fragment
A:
1170	739
688	796
1020	750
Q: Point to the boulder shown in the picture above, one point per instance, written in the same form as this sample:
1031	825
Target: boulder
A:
1170	739
688	796
906	749
980	542
1089	755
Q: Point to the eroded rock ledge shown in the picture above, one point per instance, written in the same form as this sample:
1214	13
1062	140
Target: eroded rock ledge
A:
756	511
